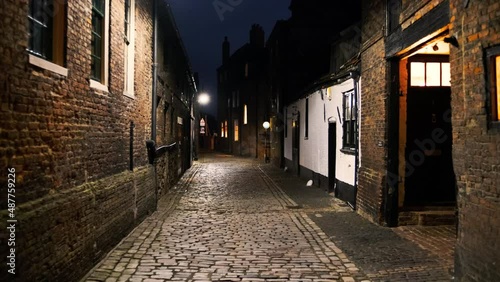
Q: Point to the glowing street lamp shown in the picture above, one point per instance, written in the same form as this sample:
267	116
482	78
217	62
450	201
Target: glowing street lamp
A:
203	98
266	126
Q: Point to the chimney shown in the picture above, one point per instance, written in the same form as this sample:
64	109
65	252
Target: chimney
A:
257	37
225	50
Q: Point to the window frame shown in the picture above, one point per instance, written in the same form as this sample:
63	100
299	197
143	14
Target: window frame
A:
349	130
53	57
493	86
129	40
236	130
100	82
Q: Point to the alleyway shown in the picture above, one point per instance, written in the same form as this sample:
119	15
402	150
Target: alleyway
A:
233	219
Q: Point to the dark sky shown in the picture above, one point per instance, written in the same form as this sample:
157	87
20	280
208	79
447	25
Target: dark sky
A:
203	27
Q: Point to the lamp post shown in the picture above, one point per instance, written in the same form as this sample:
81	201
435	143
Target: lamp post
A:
202	99
266	127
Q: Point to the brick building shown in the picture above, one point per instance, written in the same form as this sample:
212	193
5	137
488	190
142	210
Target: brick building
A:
76	107
429	122
243	97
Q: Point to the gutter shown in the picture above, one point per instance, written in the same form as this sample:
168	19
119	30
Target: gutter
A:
155	71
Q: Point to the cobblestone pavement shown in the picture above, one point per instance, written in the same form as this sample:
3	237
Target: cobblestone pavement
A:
234	219
226	220
405	253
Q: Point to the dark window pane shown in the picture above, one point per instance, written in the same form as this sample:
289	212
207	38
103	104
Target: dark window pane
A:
40	28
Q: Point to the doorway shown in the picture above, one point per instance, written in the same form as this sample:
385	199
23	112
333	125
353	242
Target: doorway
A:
296	144
332	155
429	179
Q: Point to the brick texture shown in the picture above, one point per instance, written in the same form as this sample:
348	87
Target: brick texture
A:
475	147
69	143
373	113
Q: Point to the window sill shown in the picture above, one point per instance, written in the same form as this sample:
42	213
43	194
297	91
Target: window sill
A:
44	64
348	151
98	86
129	95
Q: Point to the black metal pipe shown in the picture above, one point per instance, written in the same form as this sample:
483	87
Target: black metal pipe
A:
132	125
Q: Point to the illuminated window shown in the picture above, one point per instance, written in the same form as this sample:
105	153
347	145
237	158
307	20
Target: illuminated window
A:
222	131
225	129
430	74
493	91
236	130
245	114
47	19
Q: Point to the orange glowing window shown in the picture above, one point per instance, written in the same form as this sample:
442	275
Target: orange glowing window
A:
497	84
430	74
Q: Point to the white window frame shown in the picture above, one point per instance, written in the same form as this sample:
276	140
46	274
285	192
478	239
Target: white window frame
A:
129	61
103	86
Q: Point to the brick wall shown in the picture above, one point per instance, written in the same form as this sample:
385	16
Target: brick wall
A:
476	150
69	144
373	123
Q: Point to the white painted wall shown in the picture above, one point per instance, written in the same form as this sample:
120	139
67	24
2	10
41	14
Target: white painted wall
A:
314	148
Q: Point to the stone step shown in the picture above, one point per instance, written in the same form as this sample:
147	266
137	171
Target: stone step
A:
427	217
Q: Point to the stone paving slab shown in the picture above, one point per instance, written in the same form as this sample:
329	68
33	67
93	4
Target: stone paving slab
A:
406	253
231	223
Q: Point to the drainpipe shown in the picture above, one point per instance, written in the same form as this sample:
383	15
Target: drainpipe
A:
355	77
155	70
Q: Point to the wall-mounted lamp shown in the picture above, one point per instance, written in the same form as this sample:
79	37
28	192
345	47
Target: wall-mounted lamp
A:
435	47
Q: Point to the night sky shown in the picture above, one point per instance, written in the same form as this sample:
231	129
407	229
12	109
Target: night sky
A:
203	28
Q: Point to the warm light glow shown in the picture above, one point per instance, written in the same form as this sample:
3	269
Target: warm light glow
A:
417	74
245	114
445	74
203	98
225	129
222	130
433	74
497	59
266	125
236	130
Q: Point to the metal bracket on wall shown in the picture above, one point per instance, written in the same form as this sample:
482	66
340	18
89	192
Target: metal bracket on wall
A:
154	153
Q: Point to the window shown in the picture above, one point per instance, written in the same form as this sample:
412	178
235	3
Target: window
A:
349	120
245	114
493	91
99	41
222	130
47	19
306	130
428	74
234	99
246	70
129	47
225	129
236	130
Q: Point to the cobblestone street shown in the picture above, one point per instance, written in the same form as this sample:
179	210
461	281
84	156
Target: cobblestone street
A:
228	220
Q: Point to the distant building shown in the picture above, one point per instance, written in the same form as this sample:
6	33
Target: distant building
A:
243	97
77	80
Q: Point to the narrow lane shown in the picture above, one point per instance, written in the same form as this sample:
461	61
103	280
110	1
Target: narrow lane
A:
230	223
